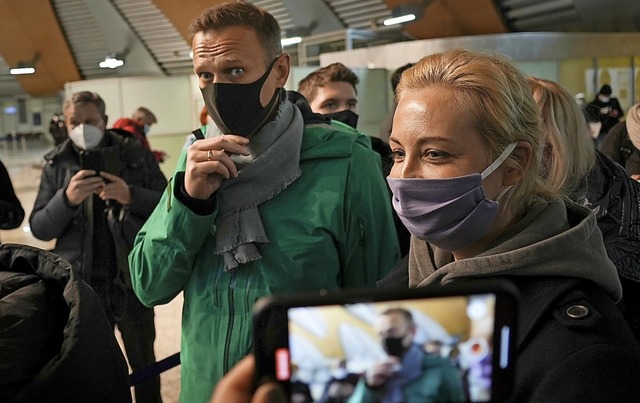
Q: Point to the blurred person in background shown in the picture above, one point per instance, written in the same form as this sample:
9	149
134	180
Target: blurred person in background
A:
623	143
610	111
139	125
11	211
95	212
331	91
572	166
57	129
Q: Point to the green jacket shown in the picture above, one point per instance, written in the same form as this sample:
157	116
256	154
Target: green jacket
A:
331	228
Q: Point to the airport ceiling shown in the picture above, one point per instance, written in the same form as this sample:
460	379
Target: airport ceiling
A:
66	39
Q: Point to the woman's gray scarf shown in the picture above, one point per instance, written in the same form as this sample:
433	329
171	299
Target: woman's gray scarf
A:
273	165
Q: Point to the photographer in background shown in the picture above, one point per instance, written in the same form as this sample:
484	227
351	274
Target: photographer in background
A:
97	189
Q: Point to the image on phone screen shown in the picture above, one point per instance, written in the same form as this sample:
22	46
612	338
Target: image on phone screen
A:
419	349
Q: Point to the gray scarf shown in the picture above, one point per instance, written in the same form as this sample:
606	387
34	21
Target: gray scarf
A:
552	239
273	165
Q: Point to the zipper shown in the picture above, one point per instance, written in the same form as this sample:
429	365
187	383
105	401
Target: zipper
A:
247	307
227	340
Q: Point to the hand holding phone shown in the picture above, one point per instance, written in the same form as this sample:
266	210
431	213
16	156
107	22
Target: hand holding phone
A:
115	188
380	336
82	185
236	386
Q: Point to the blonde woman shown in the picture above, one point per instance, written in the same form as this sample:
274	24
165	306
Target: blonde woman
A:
466	144
571	165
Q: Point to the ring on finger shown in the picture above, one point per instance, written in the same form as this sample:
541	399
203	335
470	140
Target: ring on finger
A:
209	155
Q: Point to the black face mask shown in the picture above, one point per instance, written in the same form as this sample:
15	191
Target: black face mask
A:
236	108
393	346
346	116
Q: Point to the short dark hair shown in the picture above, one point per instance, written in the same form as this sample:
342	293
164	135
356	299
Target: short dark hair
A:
402	312
242	13
397	75
335	72
85	97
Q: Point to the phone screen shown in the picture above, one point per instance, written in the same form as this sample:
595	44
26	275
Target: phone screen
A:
447	348
92	160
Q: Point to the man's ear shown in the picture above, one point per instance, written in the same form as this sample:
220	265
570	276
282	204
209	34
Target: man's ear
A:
282	68
513	173
106	119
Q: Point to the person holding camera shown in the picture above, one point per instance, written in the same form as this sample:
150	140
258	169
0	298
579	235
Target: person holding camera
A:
96	191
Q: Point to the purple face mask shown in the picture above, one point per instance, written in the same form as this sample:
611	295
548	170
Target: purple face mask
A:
449	213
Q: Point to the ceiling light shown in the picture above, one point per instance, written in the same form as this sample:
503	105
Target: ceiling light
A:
28	67
406	12
111	62
399	20
22	70
291	41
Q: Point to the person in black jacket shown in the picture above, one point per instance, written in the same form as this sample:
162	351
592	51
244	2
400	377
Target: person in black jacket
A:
610	111
57	344
11	212
592	179
622	142
97	189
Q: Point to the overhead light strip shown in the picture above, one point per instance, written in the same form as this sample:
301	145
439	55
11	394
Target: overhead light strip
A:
22	70
291	41
111	63
399	20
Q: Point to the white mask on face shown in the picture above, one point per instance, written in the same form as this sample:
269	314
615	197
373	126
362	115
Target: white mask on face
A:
86	137
604	98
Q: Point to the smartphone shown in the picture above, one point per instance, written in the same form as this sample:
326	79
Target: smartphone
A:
106	160
322	345
92	160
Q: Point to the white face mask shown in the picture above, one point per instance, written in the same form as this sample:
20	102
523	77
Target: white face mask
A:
86	137
604	98
146	128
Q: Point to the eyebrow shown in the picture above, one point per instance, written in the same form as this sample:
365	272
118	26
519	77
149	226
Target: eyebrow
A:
427	139
338	99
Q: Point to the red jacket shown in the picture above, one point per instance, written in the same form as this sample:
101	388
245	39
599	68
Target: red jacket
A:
137	130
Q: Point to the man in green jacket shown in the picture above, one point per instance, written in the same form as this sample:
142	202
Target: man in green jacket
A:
408	374
331	91
264	204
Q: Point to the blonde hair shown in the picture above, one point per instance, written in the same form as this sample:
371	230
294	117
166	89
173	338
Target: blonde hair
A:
496	94
568	150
